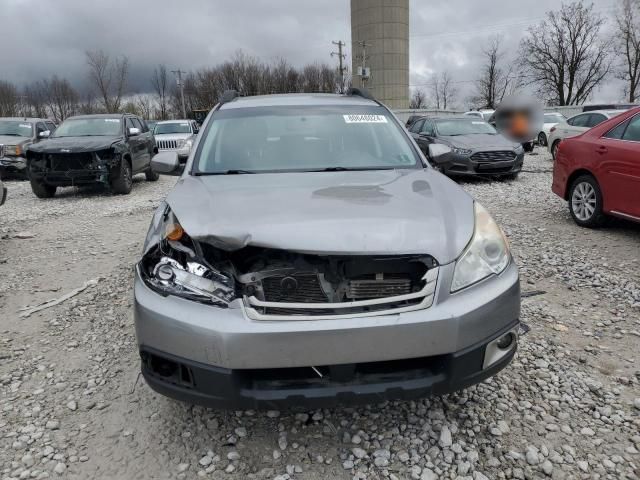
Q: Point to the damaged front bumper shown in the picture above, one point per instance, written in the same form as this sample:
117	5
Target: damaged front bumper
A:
13	165
221	357
73	168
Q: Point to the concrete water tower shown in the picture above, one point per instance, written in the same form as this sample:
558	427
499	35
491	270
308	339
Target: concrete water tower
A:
380	30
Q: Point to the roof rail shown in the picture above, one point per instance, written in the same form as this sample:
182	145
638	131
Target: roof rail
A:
361	92
228	96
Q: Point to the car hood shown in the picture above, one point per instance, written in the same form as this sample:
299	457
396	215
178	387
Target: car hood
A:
75	144
479	141
11	140
383	212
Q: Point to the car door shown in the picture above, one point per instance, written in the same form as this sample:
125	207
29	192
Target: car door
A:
574	126
136	145
619	168
147	141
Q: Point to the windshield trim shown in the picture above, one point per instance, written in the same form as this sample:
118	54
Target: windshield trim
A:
192	169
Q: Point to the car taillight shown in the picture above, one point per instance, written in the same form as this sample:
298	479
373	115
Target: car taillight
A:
553	129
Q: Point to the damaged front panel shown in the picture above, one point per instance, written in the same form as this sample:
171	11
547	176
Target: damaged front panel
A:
277	285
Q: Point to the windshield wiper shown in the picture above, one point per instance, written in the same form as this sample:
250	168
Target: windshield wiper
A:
226	172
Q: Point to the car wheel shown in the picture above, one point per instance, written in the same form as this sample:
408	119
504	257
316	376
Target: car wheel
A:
42	190
123	182
554	149
528	147
585	202
542	139
150	175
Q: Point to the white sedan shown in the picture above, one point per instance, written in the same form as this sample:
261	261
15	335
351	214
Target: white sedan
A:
576	125
551	119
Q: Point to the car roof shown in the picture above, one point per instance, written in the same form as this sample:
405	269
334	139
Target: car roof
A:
608	113
104	115
26	119
453	117
297	99
163	122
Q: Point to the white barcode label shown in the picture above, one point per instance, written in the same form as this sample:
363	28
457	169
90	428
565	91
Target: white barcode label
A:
365	119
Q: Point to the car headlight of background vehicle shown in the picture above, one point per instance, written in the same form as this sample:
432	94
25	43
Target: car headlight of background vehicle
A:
184	146
462	151
519	149
487	254
14	150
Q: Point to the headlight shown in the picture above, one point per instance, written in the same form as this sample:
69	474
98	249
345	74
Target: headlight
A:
519	149
462	151
180	142
174	268
14	150
487	253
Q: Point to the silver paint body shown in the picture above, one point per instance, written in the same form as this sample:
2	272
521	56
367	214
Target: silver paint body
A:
413	211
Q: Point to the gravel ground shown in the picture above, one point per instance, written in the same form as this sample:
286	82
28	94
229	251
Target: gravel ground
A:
72	406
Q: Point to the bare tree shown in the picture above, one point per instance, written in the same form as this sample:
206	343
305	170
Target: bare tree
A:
495	81
35	96
145	105
627	46
61	97
565	55
443	90
418	99
109	77
160	83
9	99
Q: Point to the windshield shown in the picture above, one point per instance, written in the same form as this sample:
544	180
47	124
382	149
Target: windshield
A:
15	128
553	118
463	126
270	139
89	127
174	127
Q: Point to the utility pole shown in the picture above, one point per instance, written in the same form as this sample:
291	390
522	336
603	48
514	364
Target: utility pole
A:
363	73
178	74
341	57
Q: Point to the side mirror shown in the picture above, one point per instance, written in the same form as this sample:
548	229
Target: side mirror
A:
133	131
44	134
167	163
439	153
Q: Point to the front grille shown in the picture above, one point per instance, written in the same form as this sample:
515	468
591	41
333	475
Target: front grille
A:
70	161
167	144
381	287
497	156
1	151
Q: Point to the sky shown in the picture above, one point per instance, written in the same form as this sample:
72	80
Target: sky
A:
47	38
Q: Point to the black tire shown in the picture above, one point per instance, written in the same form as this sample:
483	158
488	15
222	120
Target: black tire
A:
585	202
42	190
554	149
542	139
150	175
528	147
122	182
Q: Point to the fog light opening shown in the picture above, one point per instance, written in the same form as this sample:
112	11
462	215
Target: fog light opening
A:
506	341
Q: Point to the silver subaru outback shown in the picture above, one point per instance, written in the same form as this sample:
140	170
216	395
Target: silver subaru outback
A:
309	256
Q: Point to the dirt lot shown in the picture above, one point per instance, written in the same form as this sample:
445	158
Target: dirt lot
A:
71	404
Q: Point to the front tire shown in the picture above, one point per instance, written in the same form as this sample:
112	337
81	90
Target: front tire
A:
123	181
585	202
542	139
150	175
42	190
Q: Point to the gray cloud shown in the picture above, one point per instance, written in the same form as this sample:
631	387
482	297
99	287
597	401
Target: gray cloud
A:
50	37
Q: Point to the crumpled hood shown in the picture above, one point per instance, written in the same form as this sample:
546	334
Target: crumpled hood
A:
75	144
480	141
370	212
13	140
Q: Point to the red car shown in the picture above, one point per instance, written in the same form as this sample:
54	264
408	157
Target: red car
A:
598	172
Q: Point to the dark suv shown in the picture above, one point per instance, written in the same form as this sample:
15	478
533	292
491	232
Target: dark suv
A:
87	149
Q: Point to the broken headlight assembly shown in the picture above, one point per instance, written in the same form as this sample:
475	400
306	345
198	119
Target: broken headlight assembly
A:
487	254
175	266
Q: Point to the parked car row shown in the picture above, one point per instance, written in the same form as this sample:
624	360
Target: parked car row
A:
88	149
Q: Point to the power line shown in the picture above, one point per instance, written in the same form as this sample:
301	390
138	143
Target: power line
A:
341	57
178	73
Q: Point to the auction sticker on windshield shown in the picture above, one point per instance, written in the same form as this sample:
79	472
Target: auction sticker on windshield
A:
365	119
